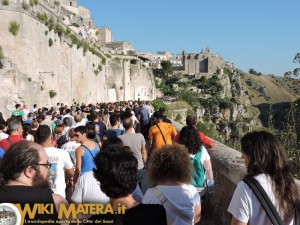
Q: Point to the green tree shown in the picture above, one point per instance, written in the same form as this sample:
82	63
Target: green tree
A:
295	72
166	67
1	53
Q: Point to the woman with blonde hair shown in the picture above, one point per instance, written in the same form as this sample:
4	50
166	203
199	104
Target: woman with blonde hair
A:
266	162
170	169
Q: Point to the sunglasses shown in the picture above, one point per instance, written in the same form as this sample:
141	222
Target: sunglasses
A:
47	165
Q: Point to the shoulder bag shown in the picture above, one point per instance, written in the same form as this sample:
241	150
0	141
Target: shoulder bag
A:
167	204
267	204
161	134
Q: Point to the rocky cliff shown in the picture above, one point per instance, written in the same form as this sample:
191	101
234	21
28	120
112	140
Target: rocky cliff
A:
39	60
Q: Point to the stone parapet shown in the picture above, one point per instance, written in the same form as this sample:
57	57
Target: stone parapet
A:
228	170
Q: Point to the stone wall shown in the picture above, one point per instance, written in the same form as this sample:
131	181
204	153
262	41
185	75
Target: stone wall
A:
228	170
74	77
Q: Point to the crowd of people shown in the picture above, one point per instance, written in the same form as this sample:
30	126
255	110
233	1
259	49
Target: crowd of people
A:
102	153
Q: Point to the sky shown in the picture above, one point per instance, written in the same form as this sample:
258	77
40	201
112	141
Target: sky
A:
259	34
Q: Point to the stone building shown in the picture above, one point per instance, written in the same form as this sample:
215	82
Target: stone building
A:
202	63
120	47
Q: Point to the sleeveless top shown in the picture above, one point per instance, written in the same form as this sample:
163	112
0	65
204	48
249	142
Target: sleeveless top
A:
87	160
22	195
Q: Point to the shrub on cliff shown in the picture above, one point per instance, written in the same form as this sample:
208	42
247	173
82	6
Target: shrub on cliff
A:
14	27
52	93
5	2
50	42
25	6
1	53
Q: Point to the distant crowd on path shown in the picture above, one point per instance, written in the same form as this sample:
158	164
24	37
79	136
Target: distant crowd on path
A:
99	154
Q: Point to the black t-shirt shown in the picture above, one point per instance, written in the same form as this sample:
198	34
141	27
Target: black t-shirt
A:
22	195
149	214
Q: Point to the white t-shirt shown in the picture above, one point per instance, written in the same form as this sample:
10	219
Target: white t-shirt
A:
204	155
184	197
245	207
87	190
3	136
70	147
60	159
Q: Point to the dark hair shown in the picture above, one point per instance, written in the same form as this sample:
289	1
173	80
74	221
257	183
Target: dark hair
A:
266	155
127	123
191	120
113	119
43	133
116	170
26	129
3	125
68	111
94	115
158	115
126	115
17	105
162	110
189	137
91	131
2	120
171	162
67	121
112	141
81	129
17	158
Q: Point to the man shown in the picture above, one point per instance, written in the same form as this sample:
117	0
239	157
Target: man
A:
115	124
71	145
29	118
68	114
99	126
85	153
48	119
59	159
15	134
24	178
25	111
161	133
192	121
165	119
137	144
18	112
144	120
78	121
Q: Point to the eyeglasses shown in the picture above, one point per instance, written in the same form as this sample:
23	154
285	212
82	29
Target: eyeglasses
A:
47	165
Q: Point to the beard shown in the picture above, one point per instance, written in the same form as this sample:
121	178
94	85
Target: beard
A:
40	181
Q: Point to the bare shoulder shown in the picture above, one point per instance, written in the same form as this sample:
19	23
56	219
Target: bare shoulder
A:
59	199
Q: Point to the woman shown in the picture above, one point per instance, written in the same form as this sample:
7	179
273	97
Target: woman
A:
26	132
116	170
266	161
200	158
170	169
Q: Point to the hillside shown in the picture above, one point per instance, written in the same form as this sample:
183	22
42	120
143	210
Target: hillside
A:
278	89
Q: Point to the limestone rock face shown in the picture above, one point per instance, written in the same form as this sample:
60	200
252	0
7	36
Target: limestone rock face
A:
33	68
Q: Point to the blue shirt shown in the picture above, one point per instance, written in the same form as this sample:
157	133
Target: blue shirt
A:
113	132
87	160
1	153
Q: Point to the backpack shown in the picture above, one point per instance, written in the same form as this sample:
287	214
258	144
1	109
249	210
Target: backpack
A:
198	179
62	139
